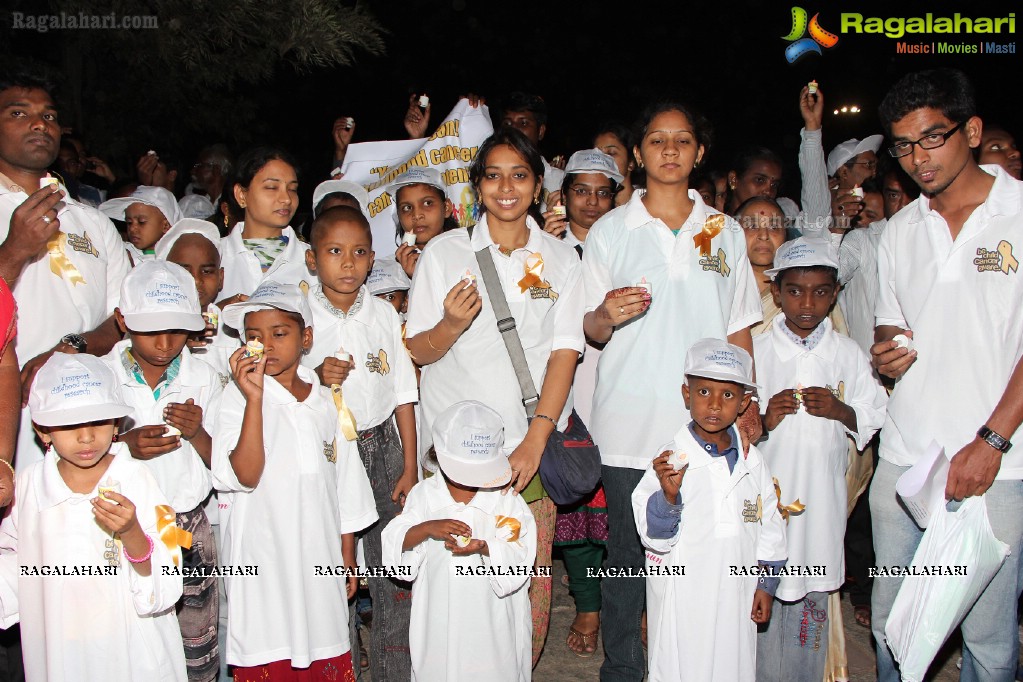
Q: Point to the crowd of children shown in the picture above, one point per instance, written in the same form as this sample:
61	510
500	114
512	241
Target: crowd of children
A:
236	446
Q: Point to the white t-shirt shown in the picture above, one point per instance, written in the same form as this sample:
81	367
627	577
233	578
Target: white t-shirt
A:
75	301
288	525
962	301
120	627
242	273
467	627
638	404
383	376
809	455
181	473
548	317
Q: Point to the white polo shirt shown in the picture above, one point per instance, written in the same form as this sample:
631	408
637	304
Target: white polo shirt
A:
78	300
242	273
383	376
857	258
287	525
962	301
181	473
637	405
548	317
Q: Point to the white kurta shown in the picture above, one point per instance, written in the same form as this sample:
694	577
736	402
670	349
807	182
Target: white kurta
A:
181	473
640	372
242	273
466	627
383	376
699	624
809	455
105	627
288	525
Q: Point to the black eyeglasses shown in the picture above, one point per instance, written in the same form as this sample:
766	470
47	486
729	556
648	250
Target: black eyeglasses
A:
586	192
932	141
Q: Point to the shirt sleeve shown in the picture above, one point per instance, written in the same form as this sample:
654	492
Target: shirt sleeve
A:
887	310
816	195
647	486
866	396
596	274
406	388
521	552
662	517
355	496
393	536
568	313
768	581
746	308
225	440
426	296
118	264
161	589
771	541
850	255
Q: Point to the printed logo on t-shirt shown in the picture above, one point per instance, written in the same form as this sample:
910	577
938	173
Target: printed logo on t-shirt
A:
837	392
329	452
753	512
378	363
543	290
82	244
1000	259
717	263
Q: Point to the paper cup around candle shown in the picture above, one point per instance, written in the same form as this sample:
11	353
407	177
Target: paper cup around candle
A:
468	278
343	355
409	239
171	431
349	123
462	540
48	181
811	88
856	192
109	485
424	101
678	460
903	341
212	315
560	211
254	349
645	285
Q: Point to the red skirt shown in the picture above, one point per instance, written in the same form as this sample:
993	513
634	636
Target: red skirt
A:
337	669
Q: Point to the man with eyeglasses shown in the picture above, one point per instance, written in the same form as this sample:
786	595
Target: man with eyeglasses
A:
850	164
950	280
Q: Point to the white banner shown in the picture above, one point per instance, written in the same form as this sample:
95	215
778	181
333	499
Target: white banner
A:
450	149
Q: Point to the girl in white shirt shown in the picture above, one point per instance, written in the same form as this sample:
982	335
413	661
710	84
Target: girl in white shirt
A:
452	330
83	562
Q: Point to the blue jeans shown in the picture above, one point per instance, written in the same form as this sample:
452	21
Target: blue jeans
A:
990	629
793	646
622	599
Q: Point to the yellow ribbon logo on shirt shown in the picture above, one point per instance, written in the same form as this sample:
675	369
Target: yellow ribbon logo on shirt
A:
344	414
60	264
711	228
787	510
173	537
534	268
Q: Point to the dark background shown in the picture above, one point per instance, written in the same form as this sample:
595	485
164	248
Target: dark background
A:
590	61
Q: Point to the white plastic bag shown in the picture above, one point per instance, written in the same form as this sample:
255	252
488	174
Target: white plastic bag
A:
929	607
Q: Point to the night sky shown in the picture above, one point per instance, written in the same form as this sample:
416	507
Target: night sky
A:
597	61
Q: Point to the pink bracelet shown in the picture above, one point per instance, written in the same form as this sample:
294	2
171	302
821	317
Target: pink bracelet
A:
143	558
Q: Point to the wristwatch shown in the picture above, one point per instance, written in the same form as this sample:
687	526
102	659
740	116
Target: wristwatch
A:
76	341
996	441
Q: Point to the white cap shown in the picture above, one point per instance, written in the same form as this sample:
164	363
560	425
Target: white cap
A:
720	360
850	149
183	227
269	295
802	253
158	197
593	161
75	388
469	440
417	175
157	295
346	186
387	275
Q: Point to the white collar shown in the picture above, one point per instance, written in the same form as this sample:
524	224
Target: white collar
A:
51	488
636	214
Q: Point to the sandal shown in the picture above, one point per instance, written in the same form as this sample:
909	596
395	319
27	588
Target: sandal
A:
862	616
589	640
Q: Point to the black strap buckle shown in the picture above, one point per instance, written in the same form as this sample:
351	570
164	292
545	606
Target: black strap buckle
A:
506	325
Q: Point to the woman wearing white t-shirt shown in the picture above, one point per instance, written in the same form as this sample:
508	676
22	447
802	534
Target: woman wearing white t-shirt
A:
661	272
452	330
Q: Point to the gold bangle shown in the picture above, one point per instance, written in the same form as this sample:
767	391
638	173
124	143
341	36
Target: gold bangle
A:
439	350
9	466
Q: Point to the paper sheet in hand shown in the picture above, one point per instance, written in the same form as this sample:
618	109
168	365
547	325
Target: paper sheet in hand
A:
924	483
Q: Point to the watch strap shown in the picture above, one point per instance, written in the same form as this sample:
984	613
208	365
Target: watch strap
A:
995	440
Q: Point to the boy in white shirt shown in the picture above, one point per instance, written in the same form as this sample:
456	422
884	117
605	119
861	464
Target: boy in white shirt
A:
823	392
148	213
358	352
83	564
706	509
468	548
171	394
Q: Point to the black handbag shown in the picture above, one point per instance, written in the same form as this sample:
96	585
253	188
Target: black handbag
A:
570	465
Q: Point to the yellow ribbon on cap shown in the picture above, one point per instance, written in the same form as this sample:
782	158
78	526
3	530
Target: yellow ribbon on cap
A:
173	537
794	508
344	414
513	525
60	264
711	228
534	268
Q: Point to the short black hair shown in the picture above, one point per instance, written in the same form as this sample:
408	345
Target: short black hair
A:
318	208
337	214
252	161
524	101
27	76
506	135
750	155
701	126
947	90
811	268
293	316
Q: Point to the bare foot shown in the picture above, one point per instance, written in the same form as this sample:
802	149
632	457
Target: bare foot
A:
582	636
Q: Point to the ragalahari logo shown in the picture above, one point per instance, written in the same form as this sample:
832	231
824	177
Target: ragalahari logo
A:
802	46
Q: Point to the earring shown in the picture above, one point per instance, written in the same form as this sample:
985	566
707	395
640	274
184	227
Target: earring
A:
536	200
227	221
47	445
